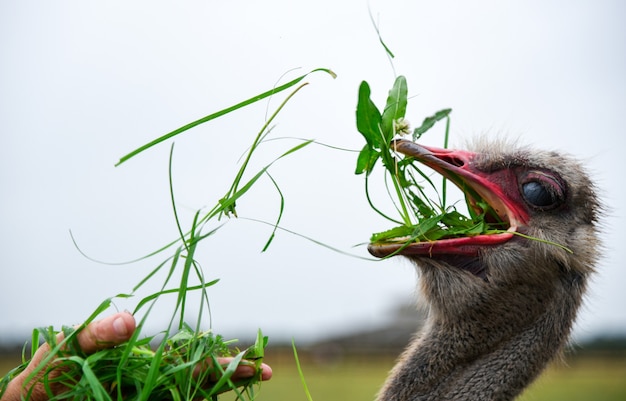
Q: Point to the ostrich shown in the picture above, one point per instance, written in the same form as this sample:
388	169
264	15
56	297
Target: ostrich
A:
500	306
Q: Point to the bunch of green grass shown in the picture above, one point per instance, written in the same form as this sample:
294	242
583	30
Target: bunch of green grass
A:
177	363
135	371
420	217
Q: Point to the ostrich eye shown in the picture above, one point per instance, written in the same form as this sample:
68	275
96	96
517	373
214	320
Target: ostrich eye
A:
542	191
537	194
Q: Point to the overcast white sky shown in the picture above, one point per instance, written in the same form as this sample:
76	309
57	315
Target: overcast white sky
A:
82	83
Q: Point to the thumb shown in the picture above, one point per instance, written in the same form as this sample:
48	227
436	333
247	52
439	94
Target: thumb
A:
107	332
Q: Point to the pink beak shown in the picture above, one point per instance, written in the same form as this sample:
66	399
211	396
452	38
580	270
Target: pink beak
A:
456	166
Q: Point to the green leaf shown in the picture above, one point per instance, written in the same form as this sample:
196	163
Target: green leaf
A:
478	228
396	232
456	219
368	118
429	122
366	160
395	108
425	226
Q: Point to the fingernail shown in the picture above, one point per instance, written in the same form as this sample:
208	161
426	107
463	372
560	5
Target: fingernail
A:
119	327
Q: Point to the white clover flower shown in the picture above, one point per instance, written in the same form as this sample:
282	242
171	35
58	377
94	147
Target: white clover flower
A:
401	126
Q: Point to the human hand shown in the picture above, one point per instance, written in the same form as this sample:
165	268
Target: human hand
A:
106	333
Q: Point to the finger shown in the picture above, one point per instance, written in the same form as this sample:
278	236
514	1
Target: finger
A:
266	372
247	371
106	333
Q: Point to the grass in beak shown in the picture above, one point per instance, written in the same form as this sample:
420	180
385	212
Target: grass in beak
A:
419	217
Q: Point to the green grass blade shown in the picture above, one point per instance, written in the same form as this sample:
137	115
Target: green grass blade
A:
220	113
388	51
444	180
227	202
95	386
313	240
227	373
156	295
153	372
149	255
300	372
280	213
376	209
233	189
155	271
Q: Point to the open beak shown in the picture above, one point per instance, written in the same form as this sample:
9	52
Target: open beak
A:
456	166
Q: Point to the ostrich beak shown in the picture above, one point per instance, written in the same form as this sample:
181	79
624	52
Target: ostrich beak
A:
456	166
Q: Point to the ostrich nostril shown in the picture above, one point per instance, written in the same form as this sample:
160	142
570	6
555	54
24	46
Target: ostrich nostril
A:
455	161
458	162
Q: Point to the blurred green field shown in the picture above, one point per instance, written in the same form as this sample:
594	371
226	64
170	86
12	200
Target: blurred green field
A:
358	378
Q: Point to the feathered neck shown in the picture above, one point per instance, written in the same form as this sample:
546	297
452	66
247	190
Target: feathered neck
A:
467	360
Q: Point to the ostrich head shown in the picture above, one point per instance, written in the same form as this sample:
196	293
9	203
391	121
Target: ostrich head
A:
501	306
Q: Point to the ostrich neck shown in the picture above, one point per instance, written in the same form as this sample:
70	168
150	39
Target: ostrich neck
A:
448	363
